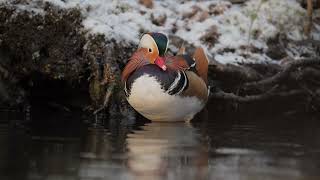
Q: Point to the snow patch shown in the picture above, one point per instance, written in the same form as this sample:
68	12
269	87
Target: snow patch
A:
238	26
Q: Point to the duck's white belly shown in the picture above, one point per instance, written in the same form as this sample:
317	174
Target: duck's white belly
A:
147	97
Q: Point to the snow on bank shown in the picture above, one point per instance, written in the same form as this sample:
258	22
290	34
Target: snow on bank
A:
237	26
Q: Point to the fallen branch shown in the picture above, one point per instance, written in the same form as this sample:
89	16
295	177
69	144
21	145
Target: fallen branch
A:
279	85
282	75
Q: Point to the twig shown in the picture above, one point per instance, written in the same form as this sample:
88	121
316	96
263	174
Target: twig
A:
106	99
253	18
307	27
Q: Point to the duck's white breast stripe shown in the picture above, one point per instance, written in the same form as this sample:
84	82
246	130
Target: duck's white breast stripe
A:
125	88
175	82
184	83
193	64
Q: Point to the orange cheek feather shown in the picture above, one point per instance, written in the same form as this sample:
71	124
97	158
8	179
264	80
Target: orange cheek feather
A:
135	61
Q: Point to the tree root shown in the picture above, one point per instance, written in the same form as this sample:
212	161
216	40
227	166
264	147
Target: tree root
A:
295	78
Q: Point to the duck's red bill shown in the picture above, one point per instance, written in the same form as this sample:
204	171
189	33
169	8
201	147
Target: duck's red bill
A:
161	63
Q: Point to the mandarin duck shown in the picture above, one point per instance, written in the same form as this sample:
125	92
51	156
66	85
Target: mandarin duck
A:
165	88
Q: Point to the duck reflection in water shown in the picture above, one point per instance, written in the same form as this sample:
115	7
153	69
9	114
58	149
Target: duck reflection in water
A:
167	150
155	151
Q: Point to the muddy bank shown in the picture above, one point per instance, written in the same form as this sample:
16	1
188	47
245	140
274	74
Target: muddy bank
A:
48	58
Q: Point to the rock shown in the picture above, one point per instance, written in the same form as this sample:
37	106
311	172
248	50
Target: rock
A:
211	36
217	9
159	20
203	16
275	49
146	3
194	11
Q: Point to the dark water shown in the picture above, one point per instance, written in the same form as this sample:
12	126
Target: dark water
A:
221	146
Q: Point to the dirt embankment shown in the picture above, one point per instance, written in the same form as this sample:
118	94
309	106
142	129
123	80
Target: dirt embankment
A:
48	58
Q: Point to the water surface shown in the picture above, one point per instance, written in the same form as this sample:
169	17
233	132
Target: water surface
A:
217	146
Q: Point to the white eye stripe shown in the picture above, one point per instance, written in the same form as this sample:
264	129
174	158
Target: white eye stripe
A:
148	42
167	43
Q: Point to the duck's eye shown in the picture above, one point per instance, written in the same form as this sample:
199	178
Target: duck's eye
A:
150	50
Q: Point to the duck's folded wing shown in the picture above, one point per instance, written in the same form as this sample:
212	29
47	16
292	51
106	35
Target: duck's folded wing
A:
180	62
197	63
201	64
